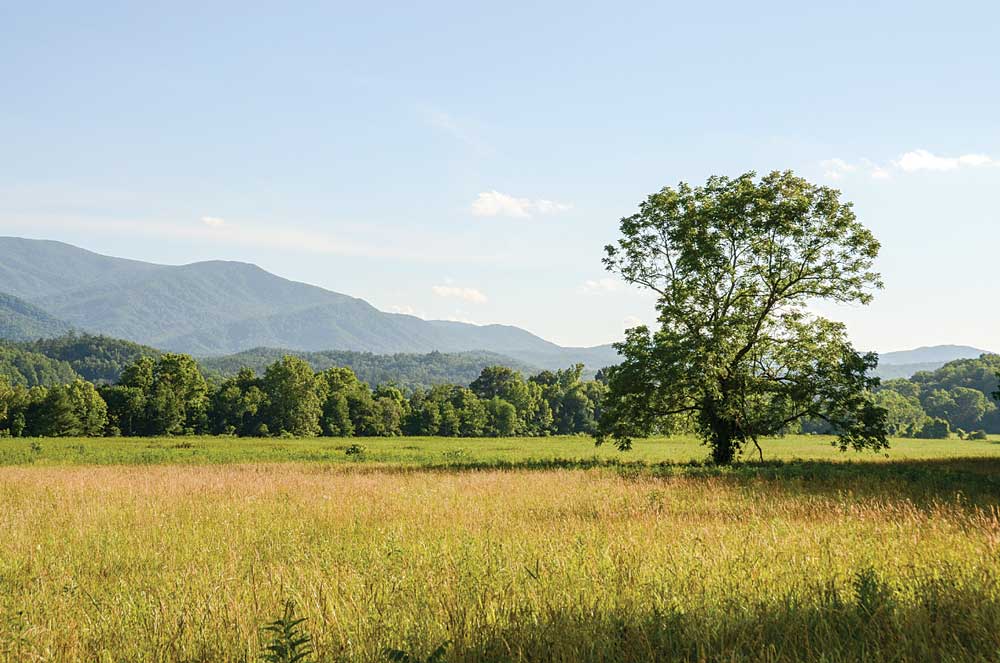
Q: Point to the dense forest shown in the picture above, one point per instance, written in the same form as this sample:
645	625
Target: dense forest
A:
101	359
958	396
169	395
405	370
81	384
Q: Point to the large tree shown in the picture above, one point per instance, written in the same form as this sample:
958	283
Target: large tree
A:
734	264
295	397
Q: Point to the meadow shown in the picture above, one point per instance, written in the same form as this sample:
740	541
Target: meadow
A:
418	549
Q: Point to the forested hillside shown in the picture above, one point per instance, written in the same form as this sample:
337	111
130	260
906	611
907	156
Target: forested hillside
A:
21	321
20	366
98	359
405	370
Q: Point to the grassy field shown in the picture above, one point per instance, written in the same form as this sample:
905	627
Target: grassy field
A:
150	550
459	453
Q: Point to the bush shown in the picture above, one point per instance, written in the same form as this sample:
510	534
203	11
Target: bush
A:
976	435
934	429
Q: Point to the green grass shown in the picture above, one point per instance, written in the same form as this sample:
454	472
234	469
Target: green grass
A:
460	453
513	549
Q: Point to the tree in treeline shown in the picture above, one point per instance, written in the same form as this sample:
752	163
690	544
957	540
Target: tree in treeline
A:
74	409
163	396
736	354
168	395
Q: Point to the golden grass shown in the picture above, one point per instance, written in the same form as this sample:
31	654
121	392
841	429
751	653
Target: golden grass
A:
170	563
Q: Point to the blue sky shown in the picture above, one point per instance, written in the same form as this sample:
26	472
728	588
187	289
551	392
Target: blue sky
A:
469	162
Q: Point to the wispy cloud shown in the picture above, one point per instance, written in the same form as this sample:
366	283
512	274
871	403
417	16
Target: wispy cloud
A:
914	161
456	128
213	221
494	203
406	309
599	286
460	316
836	168
458	292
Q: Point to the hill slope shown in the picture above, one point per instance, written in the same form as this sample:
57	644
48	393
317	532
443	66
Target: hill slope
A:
32	369
217	307
21	321
98	359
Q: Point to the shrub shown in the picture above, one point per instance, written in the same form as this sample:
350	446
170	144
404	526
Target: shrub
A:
934	429
976	435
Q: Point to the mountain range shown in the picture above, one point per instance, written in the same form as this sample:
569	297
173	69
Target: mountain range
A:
217	307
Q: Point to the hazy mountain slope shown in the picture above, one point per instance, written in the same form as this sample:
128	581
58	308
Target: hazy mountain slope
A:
21	321
892	371
931	354
225	307
905	363
32	269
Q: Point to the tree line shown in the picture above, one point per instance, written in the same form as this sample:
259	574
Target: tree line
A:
169	395
958	397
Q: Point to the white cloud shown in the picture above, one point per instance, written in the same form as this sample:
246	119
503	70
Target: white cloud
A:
468	294
404	310
459	316
977	160
494	203
836	168
924	160
213	221
632	321
908	162
598	286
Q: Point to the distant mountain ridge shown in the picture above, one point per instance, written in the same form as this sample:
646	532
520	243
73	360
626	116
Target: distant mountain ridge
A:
217	308
223	308
906	363
929	354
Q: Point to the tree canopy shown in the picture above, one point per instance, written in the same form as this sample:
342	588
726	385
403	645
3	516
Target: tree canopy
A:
733	264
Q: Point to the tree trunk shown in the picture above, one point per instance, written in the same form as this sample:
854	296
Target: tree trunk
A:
723	441
723	450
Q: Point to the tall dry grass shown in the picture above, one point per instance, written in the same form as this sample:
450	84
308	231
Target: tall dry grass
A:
187	563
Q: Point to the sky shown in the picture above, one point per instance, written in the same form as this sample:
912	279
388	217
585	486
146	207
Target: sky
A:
469	161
